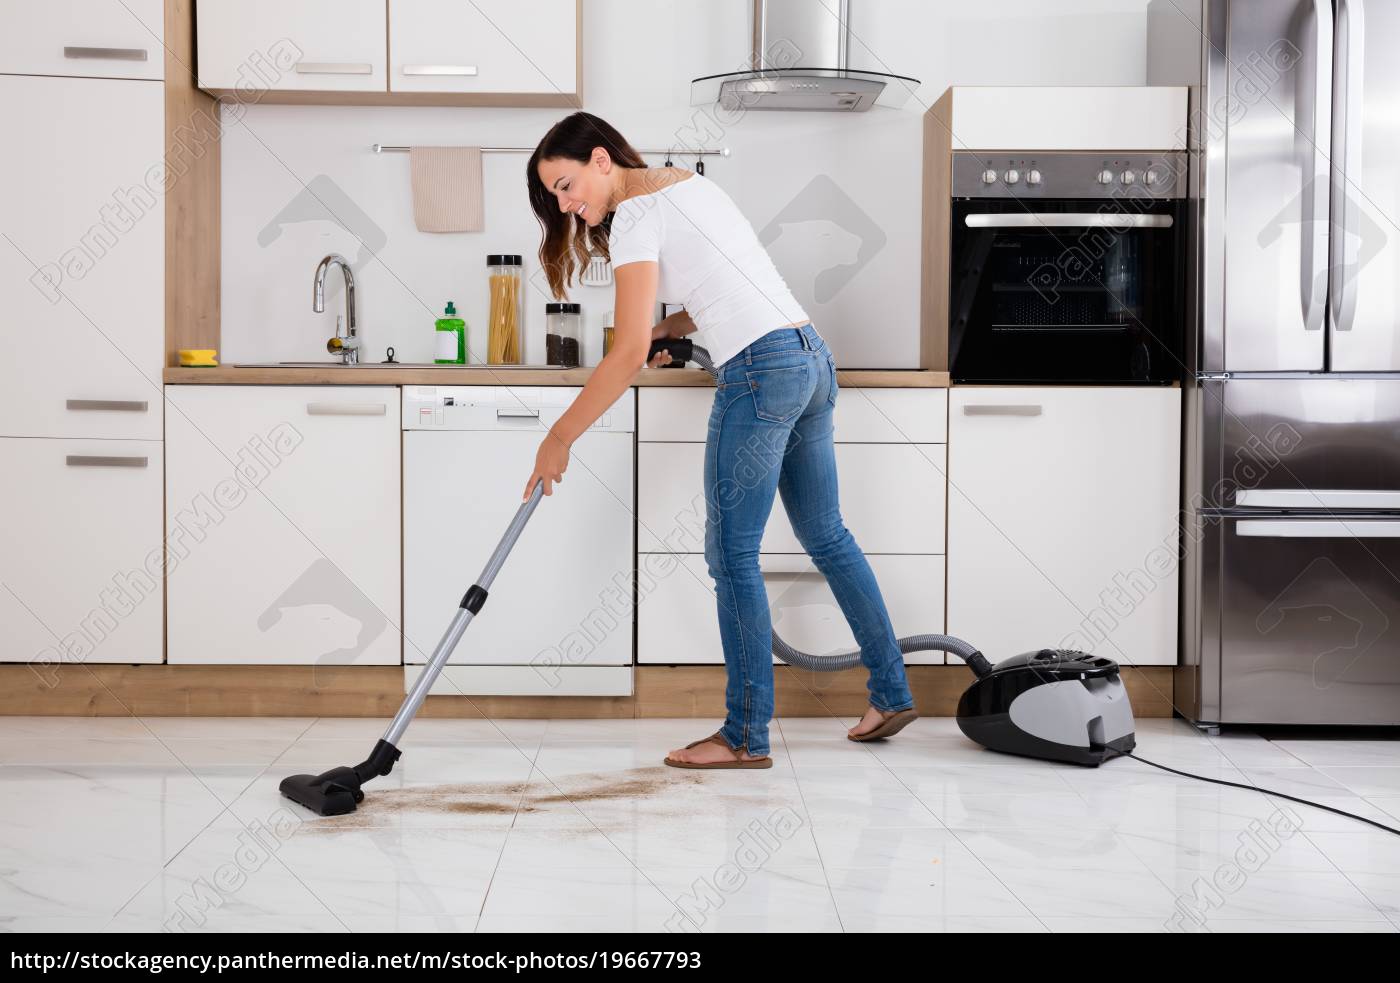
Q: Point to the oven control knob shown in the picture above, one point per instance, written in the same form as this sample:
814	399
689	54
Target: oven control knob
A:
1151	177
989	176
1012	176
1105	176
1032	176
1127	177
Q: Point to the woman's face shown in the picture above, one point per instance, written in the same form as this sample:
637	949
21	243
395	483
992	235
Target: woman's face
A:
580	189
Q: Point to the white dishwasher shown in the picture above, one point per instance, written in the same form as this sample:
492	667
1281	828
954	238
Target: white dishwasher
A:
559	620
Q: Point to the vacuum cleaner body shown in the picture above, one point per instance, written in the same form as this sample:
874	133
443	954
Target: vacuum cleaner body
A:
1057	704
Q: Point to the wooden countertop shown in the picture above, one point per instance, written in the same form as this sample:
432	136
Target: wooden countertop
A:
474	375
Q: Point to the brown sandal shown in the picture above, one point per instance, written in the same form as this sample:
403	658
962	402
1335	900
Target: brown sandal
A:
891	724
738	762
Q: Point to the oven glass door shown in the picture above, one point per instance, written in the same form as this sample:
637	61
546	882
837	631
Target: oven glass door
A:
1066	290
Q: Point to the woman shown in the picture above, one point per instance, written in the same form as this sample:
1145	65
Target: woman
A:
671	232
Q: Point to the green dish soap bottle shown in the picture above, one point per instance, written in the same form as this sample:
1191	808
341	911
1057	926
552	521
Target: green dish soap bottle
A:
451	338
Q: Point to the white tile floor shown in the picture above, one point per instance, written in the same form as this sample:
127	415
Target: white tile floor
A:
519	825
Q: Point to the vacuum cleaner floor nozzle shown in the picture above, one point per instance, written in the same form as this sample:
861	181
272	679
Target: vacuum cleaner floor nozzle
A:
338	791
332	793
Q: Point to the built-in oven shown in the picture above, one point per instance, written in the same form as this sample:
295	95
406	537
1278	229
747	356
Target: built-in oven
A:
1067	267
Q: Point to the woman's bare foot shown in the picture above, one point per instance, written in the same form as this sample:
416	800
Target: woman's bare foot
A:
709	753
872	719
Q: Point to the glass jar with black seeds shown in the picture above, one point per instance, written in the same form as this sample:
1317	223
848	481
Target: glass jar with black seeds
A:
561	339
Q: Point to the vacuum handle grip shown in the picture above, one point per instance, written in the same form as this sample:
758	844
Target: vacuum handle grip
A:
681	349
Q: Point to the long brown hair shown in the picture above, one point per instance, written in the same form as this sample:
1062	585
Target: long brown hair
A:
569	243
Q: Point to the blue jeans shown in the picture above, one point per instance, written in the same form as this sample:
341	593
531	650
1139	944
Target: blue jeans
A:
771	432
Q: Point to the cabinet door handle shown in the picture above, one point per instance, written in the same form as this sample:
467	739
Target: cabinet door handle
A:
106	461
334	68
439	69
107	54
787	564
1002	409
118	405
517	414
345	409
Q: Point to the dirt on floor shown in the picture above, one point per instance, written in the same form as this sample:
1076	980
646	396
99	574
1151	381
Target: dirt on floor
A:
382	807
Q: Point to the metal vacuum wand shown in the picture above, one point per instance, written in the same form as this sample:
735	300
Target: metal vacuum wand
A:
338	791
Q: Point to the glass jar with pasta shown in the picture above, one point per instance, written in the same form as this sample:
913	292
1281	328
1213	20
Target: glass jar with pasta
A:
503	341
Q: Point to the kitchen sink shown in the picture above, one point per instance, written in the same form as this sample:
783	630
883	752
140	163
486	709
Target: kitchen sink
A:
292	365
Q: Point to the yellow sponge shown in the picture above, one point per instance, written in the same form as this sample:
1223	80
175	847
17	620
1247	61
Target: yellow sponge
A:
198	357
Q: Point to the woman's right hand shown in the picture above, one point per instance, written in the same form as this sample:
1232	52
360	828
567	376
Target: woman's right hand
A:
676	325
672	326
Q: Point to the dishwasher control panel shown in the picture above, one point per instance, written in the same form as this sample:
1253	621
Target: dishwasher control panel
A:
505	408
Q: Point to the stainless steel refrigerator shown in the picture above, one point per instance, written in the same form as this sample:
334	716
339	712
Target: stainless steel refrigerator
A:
1291	520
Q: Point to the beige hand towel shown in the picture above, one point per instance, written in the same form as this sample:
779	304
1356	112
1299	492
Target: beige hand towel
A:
446	188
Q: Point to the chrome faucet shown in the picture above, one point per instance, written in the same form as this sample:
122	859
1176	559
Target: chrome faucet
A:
348	347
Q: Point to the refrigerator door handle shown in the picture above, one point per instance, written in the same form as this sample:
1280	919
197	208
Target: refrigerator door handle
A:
1317	188
1346	160
1320	528
1306	498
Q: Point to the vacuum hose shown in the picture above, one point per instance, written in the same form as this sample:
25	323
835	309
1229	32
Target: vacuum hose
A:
837	661
683	350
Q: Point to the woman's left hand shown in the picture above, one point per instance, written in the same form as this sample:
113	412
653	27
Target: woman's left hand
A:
551	461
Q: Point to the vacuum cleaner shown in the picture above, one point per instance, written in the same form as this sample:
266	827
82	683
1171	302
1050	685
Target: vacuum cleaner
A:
1053	703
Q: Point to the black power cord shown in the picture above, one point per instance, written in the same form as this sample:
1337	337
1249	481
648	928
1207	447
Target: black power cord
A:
1256	788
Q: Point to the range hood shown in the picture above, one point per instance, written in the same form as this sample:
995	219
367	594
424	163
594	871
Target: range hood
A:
799	62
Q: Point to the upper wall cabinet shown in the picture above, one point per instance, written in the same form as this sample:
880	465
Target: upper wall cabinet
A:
496	46
392	52
94	38
255	48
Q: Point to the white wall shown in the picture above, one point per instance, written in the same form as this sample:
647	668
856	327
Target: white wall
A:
852	259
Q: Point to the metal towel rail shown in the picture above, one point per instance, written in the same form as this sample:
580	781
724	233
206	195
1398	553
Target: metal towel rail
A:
381	148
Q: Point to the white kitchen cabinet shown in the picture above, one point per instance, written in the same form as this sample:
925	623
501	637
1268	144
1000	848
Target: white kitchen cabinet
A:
276	45
80	552
283	523
410	52
678	622
892	498
1062	520
890	460
94	38
485	46
1069	117
82	269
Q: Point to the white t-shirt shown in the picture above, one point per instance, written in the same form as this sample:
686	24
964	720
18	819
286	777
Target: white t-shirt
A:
710	262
